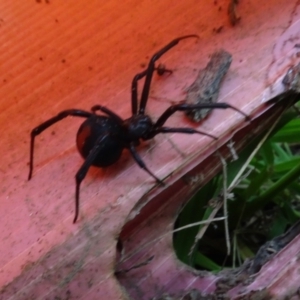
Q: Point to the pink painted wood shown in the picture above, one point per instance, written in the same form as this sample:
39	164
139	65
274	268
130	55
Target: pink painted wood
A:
58	54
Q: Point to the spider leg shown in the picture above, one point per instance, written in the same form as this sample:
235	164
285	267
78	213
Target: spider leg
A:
109	112
161	69
134	92
179	130
185	107
80	175
140	162
151	68
37	130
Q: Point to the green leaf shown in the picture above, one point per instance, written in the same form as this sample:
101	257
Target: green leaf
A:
193	212
286	165
256	182
278	227
266	152
290	133
206	263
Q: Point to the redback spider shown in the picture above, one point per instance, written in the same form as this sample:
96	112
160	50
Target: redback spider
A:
102	138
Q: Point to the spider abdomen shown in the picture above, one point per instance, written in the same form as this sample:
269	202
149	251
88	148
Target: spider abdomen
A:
94	128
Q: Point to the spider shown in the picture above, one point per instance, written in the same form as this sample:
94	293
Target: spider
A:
102	138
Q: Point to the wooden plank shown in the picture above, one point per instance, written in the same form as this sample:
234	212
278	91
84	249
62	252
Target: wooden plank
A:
58	55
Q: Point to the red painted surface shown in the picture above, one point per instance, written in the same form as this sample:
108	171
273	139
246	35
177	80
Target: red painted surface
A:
64	54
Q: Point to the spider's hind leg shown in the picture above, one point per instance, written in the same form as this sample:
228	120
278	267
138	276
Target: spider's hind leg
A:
39	129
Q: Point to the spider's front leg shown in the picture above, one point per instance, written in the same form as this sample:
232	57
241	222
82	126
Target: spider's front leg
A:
151	69
161	70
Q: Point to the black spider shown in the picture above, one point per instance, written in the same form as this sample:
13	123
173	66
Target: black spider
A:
101	139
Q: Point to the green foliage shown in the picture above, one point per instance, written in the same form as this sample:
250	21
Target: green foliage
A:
264	204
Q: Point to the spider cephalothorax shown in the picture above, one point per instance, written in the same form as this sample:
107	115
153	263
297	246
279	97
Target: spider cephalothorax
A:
102	138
